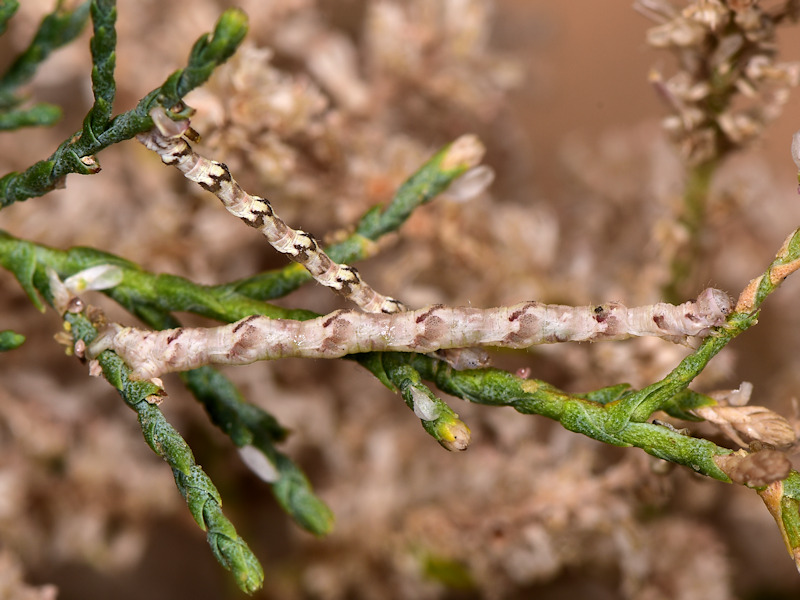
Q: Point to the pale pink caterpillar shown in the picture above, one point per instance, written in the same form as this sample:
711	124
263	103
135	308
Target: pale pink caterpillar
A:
151	353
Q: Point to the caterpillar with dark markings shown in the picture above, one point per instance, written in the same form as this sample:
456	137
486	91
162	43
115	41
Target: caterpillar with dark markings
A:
152	353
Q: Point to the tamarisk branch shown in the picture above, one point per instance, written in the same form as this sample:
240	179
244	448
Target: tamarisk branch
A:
152	353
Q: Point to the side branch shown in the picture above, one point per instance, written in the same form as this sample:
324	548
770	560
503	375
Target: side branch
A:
344	332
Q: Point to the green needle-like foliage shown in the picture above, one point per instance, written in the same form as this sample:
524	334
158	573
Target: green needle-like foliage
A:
144	295
201	496
103	46
249	425
76	154
437	418
41	114
617	416
57	29
613	415
10	340
579	414
7	10
613	420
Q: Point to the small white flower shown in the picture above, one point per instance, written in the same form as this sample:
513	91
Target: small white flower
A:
259	464
99	277
424	406
796	148
471	184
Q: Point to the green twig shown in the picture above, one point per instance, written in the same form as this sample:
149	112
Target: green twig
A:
693	221
75	155
151	297
529	396
201	496
7	10
38	115
9	340
167	293
103	46
249	425
437	418
605	420
57	29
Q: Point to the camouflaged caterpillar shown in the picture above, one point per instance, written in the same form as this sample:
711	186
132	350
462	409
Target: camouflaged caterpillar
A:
169	140
152	353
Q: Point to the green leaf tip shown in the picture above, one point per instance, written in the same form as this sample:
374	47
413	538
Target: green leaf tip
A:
208	52
293	492
38	115
7	10
9	340
451	573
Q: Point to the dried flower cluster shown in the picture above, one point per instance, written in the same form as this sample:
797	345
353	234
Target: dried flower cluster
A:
728	85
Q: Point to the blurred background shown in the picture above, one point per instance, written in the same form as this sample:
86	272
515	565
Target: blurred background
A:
327	108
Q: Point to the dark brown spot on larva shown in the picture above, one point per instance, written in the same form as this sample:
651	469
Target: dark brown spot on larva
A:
337	337
348	282
600	314
246	340
257	219
333	317
178	152
183	150
659	320
244	322
521	311
523	336
174	335
691	317
260	215
433	331
217	180
304	248
395	306
426	314
324	263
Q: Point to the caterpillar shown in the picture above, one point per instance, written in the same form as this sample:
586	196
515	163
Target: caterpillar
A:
169	140
342	332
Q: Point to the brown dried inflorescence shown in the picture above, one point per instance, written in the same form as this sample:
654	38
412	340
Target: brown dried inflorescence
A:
728	85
